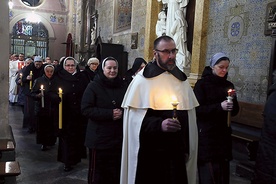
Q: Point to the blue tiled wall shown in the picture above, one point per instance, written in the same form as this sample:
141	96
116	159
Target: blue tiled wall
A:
236	27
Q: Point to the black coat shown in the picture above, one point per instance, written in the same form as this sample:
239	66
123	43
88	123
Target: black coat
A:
214	134
47	116
100	98
37	72
71	145
89	73
22	89
51	98
265	171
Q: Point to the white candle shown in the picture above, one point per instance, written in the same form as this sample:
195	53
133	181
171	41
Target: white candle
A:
42	96
31	74
229	99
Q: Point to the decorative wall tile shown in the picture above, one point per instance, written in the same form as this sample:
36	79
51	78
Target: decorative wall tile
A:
237	28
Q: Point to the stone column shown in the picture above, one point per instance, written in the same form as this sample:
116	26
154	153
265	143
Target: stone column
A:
52	51
5	131
153	8
199	40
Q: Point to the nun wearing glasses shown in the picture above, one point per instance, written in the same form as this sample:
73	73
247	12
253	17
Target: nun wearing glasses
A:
73	82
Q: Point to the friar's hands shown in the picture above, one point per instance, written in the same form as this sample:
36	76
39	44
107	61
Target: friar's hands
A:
170	125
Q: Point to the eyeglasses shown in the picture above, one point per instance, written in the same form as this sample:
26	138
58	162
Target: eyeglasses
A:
94	64
70	65
168	52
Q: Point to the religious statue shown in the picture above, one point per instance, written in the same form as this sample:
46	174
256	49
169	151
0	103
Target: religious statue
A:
93	36
173	5
179	34
161	24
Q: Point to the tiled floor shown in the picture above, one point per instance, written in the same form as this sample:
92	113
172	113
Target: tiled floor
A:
42	167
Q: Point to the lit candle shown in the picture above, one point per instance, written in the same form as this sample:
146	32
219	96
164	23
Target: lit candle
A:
229	99
174	104
60	109
31	74
42	96
229	92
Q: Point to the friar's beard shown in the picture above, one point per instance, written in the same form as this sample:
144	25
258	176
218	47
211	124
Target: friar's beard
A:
169	64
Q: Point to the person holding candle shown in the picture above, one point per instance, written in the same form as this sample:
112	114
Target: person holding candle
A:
37	70
21	94
101	105
158	147
46	98
215	142
73	82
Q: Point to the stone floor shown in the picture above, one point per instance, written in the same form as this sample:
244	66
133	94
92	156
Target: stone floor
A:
42	167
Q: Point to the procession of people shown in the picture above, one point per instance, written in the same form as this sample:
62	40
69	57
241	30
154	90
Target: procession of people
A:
146	126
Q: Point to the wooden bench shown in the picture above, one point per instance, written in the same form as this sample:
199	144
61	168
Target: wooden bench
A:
8	171
247	124
246	128
7	150
6	145
9	168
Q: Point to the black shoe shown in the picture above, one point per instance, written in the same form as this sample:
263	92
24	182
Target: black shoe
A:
44	148
67	168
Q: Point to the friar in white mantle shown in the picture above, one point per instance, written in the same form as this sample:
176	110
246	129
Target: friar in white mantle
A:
158	148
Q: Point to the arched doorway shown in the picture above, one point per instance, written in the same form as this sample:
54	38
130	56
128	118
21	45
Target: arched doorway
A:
29	38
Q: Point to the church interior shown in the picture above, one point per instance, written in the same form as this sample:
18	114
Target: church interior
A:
125	29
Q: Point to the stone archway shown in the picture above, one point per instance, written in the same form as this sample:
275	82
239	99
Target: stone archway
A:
44	21
51	34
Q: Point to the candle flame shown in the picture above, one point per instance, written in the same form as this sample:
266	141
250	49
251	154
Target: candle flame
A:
41	87
229	92
59	90
174	100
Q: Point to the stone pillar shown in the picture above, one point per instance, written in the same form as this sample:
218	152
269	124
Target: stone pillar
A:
52	51
153	8
5	131
199	40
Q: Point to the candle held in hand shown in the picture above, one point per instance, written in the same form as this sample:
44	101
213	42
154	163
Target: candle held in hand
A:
229	99
174	104
31	74
60	109
42	96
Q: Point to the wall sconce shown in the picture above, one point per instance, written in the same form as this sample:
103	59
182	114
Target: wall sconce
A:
134	40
